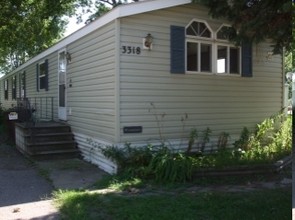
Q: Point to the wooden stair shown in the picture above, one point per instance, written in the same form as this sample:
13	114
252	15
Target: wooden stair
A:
47	140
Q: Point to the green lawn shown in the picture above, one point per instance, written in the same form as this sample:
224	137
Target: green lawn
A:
266	204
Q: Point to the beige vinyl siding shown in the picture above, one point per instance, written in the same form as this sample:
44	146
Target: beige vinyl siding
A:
91	73
222	103
31	88
36	96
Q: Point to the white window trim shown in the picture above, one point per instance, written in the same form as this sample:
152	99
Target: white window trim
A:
214	42
197	37
39	75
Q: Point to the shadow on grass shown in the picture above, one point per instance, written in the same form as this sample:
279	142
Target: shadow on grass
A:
266	204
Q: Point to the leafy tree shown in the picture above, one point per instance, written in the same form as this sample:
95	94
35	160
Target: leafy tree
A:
28	27
257	20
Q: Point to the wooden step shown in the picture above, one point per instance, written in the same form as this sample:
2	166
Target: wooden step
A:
55	154
48	140
62	136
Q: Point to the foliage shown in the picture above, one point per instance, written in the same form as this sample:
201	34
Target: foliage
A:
242	142
192	140
169	167
28	27
271	140
206	138
257	20
130	160
222	140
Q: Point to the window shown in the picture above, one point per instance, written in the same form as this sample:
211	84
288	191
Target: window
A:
6	89
42	76
199	29
13	91
208	55
197	49
228	55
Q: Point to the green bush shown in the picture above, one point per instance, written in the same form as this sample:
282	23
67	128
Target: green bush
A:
167	166
130	160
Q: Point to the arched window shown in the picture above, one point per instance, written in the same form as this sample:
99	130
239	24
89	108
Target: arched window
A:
208	55
228	55
199	49
199	29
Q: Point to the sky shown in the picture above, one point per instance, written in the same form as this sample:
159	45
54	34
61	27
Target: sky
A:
72	26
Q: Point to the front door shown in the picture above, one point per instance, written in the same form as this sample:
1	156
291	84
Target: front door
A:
62	79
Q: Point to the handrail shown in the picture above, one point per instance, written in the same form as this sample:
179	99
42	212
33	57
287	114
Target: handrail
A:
35	109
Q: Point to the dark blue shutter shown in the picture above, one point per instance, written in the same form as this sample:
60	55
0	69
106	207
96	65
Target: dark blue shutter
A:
24	84
247	60
37	77
46	75
177	44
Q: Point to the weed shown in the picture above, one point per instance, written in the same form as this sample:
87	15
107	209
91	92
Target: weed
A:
159	119
222	140
167	166
205	138
192	139
243	141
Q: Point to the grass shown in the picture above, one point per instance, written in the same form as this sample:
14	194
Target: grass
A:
266	204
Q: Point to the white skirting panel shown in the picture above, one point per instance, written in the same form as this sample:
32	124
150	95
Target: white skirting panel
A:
89	148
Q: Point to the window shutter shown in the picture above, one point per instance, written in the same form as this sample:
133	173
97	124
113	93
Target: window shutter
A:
25	84
247	60
46	75
37	77
177	45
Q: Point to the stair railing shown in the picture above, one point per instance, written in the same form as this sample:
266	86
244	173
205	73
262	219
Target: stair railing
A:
32	110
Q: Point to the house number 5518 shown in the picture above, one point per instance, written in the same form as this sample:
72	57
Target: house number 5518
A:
131	50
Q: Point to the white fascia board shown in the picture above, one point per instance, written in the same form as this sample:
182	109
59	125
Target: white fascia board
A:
118	12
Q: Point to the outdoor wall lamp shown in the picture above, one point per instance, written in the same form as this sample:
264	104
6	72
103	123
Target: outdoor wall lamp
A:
269	55
148	42
68	57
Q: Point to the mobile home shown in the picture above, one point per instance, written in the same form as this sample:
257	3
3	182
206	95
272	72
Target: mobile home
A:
150	71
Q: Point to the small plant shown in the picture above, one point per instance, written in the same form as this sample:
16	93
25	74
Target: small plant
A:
131	160
192	139
206	138
243	142
159	119
223	140
168	167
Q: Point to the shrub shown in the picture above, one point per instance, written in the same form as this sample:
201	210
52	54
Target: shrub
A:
167	166
130	160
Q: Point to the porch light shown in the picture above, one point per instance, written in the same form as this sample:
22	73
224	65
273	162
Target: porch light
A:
148	41
269	55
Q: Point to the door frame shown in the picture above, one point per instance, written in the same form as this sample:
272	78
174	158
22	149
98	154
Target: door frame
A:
62	111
